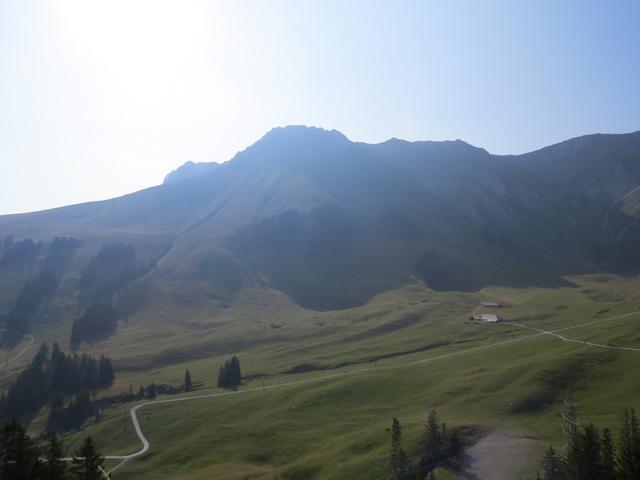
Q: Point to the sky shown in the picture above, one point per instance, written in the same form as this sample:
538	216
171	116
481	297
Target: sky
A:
102	98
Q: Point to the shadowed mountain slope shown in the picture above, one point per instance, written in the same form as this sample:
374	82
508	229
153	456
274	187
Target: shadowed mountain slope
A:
331	222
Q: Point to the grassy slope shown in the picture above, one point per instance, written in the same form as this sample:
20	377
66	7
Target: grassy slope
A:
336	428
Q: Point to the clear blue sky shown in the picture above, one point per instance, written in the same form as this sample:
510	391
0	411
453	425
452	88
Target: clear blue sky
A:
98	99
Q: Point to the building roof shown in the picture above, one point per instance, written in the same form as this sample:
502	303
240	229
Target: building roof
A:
488	317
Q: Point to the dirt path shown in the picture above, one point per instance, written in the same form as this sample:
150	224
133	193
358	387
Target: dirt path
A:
556	333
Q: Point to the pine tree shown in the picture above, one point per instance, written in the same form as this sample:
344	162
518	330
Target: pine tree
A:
151	391
431	444
188	386
229	374
235	375
629	450
141	392
608	456
87	463
398	459
456	449
105	369
590	457
553	466
222	380
18	455
54	468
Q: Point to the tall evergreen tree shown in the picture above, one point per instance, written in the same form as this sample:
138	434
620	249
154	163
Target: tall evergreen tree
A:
608	456
235	376
18	455
456	449
151	391
431	444
629	449
188	386
105	369
87	463
222	378
397	458
553	466
54	468
589	463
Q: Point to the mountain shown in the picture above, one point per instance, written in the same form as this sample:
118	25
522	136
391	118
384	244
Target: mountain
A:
331	222
189	170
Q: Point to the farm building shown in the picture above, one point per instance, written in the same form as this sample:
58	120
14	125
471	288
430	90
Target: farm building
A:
486	318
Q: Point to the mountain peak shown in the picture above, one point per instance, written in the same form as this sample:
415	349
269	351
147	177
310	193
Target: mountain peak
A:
302	133
189	170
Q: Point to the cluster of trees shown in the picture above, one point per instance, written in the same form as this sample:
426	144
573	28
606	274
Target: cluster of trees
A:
17	254
112	268
229	375
73	416
438	448
58	255
30	296
20	459
50	377
590	454
99	321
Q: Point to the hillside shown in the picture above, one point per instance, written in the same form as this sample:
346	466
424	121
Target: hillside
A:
331	222
312	256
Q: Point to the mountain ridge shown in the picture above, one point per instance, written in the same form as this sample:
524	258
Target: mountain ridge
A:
331	222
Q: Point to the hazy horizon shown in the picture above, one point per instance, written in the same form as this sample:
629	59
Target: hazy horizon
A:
100	100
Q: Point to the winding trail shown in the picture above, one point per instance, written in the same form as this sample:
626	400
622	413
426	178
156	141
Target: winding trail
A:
555	333
133	412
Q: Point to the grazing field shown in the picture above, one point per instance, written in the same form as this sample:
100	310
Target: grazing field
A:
321	388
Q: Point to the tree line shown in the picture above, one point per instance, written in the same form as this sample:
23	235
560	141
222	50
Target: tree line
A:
58	255
111	269
21	459
99	321
591	454
51	376
438	448
18	254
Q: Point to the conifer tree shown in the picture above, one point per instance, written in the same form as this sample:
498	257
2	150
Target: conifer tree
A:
553	466
222	380
105	369
87	463
151	391
431	444
589	454
188	386
629	449
18	456
398	459
235	376
456	450
54	468
608	456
